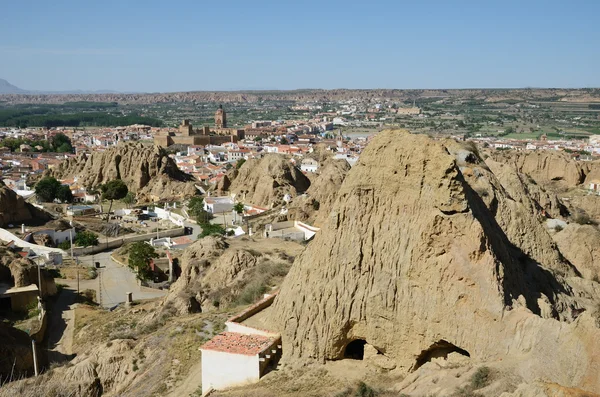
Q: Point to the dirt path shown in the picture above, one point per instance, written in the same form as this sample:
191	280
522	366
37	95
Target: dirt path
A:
61	327
190	384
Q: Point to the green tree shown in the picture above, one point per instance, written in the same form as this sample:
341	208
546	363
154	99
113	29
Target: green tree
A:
61	143
238	207
113	190
239	163
140	254
283	140
196	210
86	239
64	194
129	199
47	188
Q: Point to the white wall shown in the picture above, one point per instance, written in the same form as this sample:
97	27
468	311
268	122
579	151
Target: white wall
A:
232	326
38	249
221	370
221	204
58	236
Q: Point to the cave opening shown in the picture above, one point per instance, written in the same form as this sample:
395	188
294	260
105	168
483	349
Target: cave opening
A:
355	350
439	349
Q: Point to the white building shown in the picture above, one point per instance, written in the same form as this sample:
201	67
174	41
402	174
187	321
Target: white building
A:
309	165
234	359
217	205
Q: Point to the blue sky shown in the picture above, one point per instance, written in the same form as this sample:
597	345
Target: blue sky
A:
153	46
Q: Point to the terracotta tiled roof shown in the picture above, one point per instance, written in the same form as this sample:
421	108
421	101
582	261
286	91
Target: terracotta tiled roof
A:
232	342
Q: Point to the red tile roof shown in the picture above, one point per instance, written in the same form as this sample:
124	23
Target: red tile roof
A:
232	342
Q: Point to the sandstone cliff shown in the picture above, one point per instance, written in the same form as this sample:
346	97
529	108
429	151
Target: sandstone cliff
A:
147	170
550	167
13	209
316	205
524	189
265	181
426	253
581	245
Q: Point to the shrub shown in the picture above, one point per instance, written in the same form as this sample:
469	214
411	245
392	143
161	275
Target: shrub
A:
364	390
209	229
480	378
86	239
65	245
316	205
581	217
558	228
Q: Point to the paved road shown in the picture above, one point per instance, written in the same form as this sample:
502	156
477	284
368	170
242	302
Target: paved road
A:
117	280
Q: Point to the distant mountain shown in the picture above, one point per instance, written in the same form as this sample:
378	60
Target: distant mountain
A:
7	88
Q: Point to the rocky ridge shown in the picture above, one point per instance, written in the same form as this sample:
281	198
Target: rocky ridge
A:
425	253
147	170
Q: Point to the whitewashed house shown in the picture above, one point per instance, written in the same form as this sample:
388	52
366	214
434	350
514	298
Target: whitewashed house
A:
309	165
234	359
217	205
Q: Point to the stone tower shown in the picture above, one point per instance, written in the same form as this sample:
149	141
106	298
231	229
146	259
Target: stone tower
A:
220	118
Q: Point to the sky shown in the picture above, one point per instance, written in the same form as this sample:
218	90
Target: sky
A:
189	45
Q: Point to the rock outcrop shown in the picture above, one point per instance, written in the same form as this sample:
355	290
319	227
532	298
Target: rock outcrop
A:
550	167
315	205
265	181
215	273
580	244
524	189
14	209
426	253
147	170
545	166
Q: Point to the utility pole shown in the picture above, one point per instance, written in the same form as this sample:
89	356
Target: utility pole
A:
71	239
35	363
39	276
77	277
100	288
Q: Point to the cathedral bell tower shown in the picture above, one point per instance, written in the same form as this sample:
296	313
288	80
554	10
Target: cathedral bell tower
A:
220	118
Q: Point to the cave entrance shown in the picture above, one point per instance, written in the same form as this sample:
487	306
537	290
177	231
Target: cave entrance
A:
355	350
439	349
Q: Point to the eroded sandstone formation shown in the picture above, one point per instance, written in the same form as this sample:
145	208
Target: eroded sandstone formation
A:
14	209
425	253
265	181
147	170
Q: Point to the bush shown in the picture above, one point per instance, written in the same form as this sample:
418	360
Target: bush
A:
558	228
316	205
65	245
364	390
480	378
86	239
581	217
209	229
